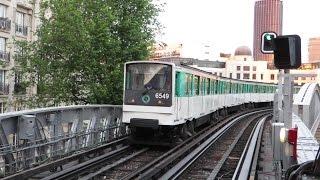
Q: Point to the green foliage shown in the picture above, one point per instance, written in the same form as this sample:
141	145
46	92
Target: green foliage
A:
82	46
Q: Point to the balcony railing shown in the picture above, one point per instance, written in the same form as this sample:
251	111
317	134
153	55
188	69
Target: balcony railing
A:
4	57
4	89
5	24
21	30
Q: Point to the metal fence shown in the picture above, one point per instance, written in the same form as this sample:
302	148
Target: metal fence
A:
32	137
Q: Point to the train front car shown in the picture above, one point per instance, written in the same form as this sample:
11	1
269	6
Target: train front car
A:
148	101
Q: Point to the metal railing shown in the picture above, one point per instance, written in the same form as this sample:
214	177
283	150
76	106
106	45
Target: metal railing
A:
32	137
21	30
5	24
4	56
4	89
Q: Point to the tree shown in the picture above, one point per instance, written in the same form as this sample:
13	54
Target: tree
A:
82	46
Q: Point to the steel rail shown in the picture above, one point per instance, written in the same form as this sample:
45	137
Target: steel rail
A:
108	167
157	165
179	168
245	164
83	167
45	167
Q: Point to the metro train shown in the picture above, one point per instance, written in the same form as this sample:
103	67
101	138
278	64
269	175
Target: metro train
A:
164	103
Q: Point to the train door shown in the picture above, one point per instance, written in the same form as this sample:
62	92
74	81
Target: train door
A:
178	95
203	95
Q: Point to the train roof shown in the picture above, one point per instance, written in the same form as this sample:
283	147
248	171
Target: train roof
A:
187	67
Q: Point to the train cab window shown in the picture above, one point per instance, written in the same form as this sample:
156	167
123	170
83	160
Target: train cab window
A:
148	76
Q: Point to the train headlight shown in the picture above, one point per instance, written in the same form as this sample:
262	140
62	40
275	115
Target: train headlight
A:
132	100
159	102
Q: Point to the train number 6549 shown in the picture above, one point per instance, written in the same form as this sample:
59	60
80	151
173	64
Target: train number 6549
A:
162	95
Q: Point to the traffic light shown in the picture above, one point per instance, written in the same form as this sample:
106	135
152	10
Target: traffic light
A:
267	42
287	52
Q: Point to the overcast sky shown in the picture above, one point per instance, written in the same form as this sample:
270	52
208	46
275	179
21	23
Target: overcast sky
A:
228	24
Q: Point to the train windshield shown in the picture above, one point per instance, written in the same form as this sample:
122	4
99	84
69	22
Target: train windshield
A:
148	77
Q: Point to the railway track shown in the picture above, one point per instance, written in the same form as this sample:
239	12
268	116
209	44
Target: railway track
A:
222	157
216	151
113	165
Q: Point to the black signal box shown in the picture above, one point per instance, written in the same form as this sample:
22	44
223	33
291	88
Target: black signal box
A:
287	52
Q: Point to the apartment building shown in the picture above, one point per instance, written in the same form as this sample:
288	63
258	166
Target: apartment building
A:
17	22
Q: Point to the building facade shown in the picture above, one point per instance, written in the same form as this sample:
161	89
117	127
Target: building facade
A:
17	22
241	65
268	15
314	50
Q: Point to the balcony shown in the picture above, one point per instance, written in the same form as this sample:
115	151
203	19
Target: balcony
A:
4	57
5	24
4	89
21	30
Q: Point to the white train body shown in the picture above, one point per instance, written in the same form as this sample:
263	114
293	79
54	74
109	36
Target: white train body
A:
191	95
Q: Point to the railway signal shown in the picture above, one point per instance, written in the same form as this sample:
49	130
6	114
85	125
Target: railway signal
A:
286	49
267	42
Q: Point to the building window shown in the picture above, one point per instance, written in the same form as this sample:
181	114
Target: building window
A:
4	89
5	23
21	29
303	78
3	11
238	68
296	78
246	68
245	59
230	75
4	56
254	68
238	75
272	76
220	74
254	76
261	76
246	76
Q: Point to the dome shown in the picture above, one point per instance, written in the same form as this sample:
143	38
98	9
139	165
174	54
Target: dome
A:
243	51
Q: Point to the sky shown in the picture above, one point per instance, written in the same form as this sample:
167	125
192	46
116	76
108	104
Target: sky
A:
228	24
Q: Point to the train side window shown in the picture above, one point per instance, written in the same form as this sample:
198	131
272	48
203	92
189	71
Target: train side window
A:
236	88
211	87
208	85
178	84
200	85
204	86
190	87
186	84
196	84
221	85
